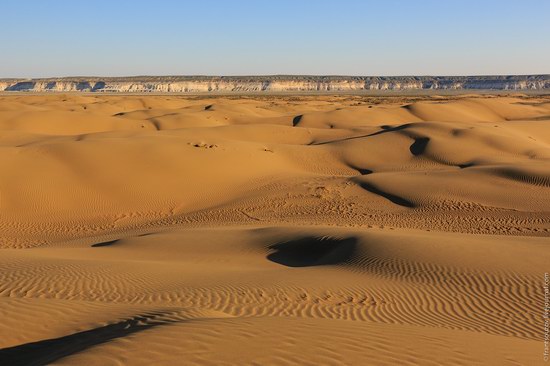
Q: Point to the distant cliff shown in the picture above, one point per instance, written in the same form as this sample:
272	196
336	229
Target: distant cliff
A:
205	84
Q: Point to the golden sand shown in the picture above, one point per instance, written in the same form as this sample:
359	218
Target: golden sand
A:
320	230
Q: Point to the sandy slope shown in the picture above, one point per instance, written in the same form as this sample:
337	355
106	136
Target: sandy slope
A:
273	230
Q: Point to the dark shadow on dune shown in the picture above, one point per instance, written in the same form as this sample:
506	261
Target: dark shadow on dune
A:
467	165
385	129
296	120
361	170
155	123
391	197
105	243
419	145
364	171
313	251
208	107
50	350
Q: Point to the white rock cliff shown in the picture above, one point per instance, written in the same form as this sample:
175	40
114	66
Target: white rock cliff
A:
205	84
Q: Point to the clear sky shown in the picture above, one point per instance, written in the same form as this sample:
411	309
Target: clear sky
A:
42	38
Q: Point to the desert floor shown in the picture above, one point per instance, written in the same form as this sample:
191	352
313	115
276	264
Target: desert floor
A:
311	230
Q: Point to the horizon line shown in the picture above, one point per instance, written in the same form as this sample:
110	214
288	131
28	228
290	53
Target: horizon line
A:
268	76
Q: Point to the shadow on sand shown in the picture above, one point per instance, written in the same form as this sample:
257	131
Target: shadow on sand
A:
50	350
313	251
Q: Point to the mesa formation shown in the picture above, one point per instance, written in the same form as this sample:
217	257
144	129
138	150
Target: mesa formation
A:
273	230
275	84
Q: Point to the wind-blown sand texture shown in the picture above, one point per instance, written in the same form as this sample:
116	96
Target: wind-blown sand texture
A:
171	230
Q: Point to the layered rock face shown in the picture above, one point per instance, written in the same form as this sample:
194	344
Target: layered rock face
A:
205	84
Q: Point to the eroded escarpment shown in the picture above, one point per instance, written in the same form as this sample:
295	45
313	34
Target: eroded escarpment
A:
205	84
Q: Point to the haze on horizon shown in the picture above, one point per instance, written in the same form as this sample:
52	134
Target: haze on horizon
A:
212	37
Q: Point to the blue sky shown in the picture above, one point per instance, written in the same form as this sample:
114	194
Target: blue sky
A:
243	37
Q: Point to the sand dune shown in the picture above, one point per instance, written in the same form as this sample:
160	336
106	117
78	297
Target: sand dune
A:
273	230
